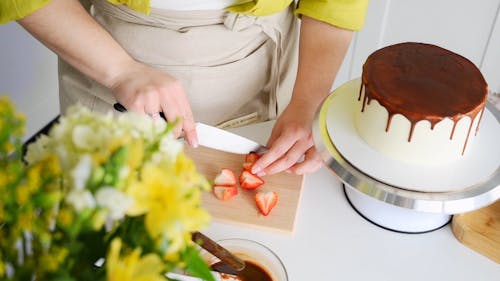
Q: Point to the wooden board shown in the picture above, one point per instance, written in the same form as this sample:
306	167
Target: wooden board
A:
480	230
242	210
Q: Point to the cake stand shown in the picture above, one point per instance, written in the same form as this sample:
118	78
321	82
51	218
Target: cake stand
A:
401	196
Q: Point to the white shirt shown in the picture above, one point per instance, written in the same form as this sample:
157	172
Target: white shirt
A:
191	5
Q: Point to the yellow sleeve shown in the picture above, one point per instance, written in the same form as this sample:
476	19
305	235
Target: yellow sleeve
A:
16	9
347	14
260	7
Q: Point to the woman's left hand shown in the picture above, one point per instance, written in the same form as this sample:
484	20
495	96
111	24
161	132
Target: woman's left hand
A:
291	146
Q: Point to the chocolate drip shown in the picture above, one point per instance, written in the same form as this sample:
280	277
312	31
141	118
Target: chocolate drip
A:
388	125
424	82
479	121
453	130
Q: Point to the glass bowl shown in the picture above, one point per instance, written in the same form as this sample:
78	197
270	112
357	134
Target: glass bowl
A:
252	252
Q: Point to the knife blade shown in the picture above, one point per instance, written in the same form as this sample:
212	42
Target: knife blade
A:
219	139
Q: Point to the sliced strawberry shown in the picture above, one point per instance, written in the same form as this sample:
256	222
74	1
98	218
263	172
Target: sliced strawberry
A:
225	193
266	201
247	166
250	159
225	178
250	181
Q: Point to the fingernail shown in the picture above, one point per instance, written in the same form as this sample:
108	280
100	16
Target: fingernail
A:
255	170
194	143
261	174
288	171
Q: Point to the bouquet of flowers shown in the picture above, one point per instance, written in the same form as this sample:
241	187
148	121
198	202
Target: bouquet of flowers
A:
99	197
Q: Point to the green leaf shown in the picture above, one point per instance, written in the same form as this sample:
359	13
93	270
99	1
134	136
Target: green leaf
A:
114	165
61	276
195	265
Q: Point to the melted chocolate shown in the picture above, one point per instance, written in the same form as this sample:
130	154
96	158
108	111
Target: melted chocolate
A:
252	271
424	82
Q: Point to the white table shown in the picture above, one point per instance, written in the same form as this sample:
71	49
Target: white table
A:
332	242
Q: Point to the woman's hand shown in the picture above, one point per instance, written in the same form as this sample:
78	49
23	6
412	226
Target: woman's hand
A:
291	146
147	90
320	58
66	28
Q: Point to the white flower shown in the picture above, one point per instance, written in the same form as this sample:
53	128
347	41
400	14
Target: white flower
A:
84	137
141	126
170	147
114	200
37	150
80	199
82	172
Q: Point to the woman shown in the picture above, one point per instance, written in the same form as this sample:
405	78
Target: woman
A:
230	62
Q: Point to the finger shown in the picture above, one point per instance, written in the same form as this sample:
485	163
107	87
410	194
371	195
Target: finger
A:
312	162
173	114
189	128
292	156
145	101
155	116
150	100
276	151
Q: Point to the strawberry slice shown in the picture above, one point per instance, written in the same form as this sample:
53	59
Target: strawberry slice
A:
225	178
225	193
250	159
250	181
266	201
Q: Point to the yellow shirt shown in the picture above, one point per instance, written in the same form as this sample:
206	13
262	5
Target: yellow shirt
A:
348	14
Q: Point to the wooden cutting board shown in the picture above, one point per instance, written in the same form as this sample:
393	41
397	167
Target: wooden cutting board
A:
480	230
242	210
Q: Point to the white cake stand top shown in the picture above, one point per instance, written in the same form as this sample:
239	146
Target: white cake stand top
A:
465	185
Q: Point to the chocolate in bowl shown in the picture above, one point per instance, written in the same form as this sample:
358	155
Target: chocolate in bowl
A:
262	264
251	272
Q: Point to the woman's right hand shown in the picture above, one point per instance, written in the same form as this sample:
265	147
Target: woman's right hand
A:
95	53
147	90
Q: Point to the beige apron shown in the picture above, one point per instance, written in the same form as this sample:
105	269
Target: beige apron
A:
235	69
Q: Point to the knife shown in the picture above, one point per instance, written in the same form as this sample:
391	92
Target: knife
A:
219	139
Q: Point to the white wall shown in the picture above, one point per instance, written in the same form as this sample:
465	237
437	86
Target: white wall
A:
469	28
28	74
28	71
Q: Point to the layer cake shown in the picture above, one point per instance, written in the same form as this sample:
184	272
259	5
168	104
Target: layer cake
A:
420	103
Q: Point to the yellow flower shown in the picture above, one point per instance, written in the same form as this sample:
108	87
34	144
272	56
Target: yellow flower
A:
3	180
172	206
131	266
22	194
2	212
135	153
8	147
2	268
99	219
25	220
34	177
65	217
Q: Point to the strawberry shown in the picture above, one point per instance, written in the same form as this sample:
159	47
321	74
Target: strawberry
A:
225	178
266	201
250	159
225	193
250	181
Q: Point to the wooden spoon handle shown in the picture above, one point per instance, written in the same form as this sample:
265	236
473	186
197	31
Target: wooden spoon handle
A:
217	250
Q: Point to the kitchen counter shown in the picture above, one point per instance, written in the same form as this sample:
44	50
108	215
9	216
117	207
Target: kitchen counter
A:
332	242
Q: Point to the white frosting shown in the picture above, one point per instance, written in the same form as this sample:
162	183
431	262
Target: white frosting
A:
426	147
